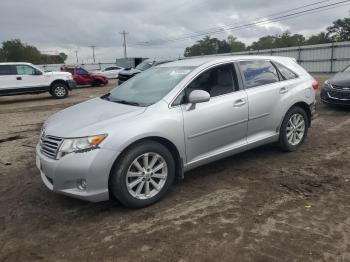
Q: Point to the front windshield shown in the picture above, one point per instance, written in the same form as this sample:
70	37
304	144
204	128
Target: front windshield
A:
149	87
144	65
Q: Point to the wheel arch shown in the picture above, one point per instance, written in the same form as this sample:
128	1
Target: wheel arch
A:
302	105
307	109
58	81
179	170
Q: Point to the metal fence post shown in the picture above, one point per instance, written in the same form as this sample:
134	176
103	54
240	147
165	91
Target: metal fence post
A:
332	57
299	55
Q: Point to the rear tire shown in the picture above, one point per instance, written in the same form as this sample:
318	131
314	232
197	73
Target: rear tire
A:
294	129
59	90
135	180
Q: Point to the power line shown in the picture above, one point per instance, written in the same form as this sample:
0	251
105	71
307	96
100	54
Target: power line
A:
256	19
265	21
255	22
124	42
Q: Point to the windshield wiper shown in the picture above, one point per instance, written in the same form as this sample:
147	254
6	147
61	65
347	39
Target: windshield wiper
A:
126	102
106	97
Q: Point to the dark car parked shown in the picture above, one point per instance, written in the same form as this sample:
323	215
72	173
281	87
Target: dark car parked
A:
336	91
128	73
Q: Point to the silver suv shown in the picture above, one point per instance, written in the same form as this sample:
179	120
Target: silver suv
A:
134	141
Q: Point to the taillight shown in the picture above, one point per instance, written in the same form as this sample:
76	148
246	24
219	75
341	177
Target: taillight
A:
315	85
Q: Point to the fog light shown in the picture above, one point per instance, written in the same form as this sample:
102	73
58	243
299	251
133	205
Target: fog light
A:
81	184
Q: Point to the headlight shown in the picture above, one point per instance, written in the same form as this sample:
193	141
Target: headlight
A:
70	77
82	144
327	84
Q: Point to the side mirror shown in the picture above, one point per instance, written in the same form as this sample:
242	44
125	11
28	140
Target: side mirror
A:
198	96
38	73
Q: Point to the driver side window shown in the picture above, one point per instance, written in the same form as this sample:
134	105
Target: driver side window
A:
217	81
81	71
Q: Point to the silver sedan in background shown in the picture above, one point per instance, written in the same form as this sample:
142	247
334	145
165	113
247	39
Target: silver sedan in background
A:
134	141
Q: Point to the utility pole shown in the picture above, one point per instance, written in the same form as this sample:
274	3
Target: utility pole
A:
93	52
76	54
124	42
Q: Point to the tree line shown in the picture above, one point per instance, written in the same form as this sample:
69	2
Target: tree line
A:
16	51
337	32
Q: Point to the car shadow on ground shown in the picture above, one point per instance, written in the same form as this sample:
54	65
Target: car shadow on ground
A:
25	99
230	166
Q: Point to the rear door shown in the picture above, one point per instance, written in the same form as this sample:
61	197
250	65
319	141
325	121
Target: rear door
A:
8	79
265	92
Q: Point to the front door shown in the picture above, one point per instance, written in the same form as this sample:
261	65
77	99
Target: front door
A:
220	124
83	77
28	77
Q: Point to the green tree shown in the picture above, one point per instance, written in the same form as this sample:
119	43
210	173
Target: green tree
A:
207	46
16	51
340	30
321	38
235	45
63	57
286	39
266	42
2	57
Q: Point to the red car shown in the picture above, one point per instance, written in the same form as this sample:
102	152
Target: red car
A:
83	77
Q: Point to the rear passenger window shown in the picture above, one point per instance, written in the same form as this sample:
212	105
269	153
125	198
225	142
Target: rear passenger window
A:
6	70
286	73
259	72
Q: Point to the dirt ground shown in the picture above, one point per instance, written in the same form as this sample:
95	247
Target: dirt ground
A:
261	205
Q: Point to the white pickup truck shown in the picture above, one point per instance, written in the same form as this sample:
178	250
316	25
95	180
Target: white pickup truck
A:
24	78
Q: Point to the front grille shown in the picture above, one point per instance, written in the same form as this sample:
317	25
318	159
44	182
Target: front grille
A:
339	94
341	87
49	145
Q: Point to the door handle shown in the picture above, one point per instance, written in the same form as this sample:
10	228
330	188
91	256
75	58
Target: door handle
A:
239	103
19	78
284	90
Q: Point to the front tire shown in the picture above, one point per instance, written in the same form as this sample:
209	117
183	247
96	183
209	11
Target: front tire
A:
294	129
59	91
143	174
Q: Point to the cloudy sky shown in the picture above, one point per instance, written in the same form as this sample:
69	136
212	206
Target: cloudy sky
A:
70	25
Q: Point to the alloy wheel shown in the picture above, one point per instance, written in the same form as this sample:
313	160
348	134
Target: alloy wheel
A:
296	129
60	91
146	175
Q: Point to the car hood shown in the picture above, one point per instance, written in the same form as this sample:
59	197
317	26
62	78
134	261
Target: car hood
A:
130	71
57	73
89	118
341	79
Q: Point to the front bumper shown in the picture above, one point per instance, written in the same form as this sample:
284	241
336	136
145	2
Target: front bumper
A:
335	96
71	84
61	176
